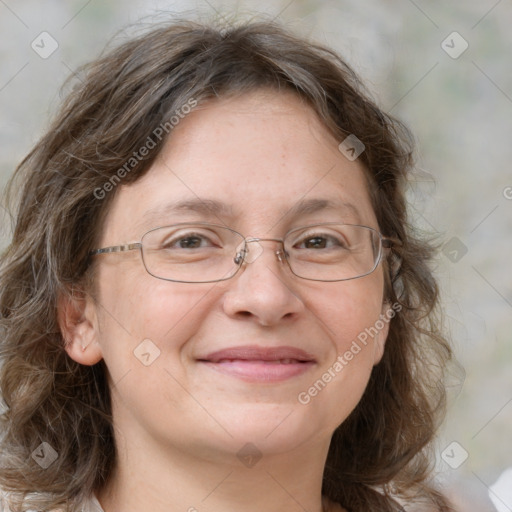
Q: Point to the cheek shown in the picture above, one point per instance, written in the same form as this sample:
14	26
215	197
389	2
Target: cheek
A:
359	326
172	313
136	309
352	319
353	308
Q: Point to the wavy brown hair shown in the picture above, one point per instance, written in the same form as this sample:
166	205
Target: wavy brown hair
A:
380	455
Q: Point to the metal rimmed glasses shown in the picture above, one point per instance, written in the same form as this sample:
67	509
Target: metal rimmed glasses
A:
204	253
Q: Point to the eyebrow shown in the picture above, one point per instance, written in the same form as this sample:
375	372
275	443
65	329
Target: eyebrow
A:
205	207
309	206
213	208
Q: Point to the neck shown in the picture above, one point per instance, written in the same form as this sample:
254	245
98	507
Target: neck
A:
149	478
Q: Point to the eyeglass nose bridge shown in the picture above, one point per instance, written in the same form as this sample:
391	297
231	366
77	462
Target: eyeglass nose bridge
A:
245	255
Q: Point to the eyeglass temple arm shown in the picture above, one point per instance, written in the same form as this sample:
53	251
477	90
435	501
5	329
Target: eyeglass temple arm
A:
388	243
116	248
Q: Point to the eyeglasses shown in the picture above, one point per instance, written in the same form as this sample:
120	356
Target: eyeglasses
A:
207	253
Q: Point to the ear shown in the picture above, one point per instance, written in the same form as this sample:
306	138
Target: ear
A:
379	344
76	315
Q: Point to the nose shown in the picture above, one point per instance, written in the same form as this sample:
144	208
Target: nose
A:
262	290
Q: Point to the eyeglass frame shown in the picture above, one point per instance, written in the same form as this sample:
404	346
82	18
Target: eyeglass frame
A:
385	243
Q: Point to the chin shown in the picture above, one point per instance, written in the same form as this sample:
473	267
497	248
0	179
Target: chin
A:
271	428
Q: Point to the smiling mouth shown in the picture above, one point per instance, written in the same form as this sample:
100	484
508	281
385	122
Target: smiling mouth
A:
277	361
260	364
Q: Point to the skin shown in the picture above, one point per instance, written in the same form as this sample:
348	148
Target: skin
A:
179	424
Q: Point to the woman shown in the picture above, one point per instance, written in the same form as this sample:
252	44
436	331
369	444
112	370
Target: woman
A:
212	299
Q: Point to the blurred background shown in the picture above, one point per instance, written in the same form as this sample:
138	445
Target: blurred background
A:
443	67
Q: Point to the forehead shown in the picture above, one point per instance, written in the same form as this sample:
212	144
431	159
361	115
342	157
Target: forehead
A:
258	160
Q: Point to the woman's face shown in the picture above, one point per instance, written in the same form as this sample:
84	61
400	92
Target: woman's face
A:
260	157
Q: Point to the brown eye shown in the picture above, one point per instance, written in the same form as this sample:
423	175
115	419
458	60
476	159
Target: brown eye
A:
315	243
190	242
320	242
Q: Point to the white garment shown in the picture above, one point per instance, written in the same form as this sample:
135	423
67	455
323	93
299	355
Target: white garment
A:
501	492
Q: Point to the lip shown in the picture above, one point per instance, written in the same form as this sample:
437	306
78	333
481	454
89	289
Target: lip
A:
260	364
